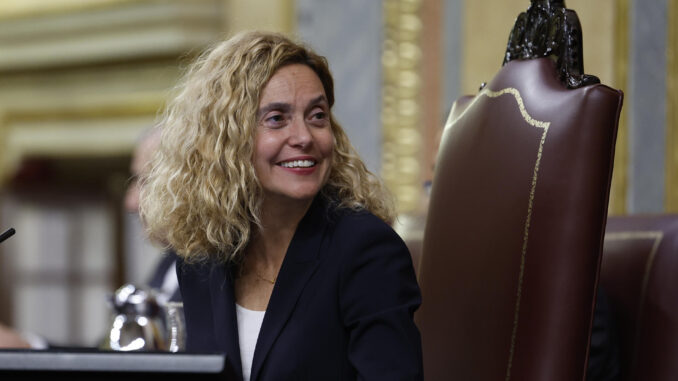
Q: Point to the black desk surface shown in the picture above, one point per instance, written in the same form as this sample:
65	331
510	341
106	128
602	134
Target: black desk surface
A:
109	365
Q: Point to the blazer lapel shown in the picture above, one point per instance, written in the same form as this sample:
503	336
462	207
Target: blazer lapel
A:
299	264
225	319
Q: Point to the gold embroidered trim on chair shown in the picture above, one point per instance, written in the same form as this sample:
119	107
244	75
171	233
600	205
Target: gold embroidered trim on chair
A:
545	127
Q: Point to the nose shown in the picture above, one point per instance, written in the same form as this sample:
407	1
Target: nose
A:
300	134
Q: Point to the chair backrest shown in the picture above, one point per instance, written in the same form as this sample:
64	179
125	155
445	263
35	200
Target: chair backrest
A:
514	231
515	228
639	274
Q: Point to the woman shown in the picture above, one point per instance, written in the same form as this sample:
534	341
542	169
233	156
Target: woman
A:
288	263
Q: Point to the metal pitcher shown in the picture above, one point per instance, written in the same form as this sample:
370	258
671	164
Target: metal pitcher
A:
138	322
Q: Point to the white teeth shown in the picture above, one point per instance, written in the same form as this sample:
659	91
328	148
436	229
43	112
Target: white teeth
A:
298	164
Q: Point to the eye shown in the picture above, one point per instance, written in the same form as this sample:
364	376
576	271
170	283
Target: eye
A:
274	119
319	117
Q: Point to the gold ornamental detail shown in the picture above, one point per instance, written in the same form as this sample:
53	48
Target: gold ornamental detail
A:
401	103
544	126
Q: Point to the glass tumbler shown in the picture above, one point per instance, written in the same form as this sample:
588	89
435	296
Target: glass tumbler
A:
176	331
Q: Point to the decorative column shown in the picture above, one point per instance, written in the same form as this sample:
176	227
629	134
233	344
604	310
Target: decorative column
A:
401	109
619	186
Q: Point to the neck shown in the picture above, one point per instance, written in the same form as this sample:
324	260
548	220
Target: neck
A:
279	221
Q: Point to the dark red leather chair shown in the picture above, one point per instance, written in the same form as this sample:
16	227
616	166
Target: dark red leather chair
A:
514	232
640	276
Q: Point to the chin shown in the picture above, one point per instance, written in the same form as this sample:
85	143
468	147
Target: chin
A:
292	197
305	197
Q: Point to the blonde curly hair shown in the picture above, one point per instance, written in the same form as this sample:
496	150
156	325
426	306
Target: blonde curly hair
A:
202	197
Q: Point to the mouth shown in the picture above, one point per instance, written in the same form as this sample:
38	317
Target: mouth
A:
306	163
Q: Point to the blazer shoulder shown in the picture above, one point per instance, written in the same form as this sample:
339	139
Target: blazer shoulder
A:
348	219
358	228
339	216
197	274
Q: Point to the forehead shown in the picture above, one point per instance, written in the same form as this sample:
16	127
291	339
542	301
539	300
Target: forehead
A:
292	82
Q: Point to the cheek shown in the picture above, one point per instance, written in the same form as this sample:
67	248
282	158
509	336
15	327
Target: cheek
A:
264	148
326	143
259	159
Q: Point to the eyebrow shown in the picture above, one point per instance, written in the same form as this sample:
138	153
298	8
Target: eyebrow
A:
317	100
286	107
281	106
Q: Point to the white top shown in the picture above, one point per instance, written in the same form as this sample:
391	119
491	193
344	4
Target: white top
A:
249	324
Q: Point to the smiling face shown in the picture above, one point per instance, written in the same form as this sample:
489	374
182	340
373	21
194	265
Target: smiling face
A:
293	143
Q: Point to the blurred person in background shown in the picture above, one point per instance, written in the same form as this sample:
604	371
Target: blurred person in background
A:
10	338
163	278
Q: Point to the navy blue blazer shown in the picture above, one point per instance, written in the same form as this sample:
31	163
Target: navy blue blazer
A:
341	309
161	269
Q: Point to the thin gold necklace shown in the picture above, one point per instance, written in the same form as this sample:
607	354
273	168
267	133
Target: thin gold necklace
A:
264	279
256	272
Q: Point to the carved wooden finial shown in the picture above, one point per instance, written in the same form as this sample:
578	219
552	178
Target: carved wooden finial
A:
546	29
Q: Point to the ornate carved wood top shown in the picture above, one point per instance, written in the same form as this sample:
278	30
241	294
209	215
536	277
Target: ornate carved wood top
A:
548	29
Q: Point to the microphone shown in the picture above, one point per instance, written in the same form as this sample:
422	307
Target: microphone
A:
8	233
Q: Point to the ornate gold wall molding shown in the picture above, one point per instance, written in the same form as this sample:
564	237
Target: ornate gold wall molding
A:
401	108
84	78
22	8
618	192
671	182
119	32
279	15
101	129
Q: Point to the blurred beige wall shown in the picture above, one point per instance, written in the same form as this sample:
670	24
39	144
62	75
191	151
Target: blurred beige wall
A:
278	16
